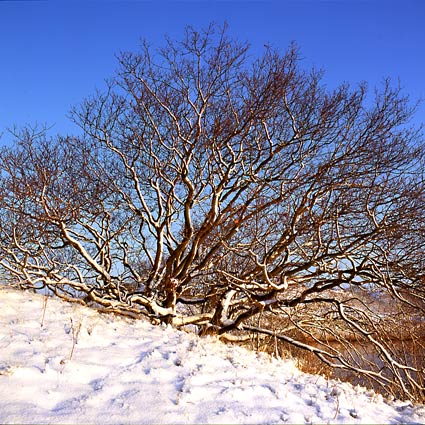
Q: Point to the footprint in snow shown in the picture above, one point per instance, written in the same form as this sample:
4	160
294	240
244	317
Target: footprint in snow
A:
71	405
97	384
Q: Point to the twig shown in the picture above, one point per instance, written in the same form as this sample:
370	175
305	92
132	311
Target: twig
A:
44	309
75	333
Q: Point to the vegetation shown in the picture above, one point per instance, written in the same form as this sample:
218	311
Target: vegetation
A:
235	194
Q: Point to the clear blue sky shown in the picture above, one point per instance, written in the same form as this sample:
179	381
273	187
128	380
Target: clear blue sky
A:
54	53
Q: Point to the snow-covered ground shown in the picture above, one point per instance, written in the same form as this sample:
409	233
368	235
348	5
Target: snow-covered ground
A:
64	363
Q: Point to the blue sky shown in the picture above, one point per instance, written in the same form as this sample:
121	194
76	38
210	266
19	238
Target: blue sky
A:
54	53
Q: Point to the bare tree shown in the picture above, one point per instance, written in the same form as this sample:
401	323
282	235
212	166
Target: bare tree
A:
240	195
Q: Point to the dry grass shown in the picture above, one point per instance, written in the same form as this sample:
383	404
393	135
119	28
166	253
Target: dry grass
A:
406	343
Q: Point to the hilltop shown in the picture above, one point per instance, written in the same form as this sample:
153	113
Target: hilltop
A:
64	363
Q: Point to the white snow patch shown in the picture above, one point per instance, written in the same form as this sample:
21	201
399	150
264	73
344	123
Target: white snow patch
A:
103	369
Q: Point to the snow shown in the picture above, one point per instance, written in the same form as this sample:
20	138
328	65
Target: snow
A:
65	363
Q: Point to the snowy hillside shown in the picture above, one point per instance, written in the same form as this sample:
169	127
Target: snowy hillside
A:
63	363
